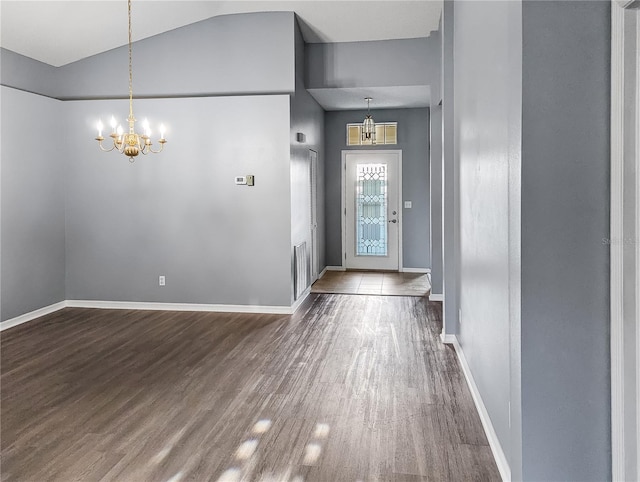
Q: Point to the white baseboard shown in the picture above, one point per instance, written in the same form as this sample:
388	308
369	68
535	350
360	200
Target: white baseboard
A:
296	304
402	270
135	305
214	308
322	273
447	339
436	297
492	437
18	320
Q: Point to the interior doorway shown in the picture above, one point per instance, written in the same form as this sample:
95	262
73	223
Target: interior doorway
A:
313	203
372	218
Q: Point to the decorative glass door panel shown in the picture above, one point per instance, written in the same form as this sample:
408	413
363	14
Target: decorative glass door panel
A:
371	210
371	193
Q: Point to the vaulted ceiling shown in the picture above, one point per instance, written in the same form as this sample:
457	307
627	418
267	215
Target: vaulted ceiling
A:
60	32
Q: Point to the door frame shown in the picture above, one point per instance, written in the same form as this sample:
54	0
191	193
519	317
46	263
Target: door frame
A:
315	252
343	206
625	358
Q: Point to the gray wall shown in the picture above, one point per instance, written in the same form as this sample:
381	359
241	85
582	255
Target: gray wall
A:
179	213
232	54
450	181
27	74
33	238
434	55
307	117
413	139
435	200
394	72
487	107
368	64
630	248
433	58
565	216
531	146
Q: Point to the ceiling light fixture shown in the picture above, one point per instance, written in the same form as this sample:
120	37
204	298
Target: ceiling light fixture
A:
368	125
130	144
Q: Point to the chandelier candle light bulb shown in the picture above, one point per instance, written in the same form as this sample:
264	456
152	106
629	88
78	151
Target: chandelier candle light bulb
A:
130	144
147	129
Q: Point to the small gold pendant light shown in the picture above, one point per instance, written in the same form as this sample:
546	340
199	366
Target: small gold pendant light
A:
368	125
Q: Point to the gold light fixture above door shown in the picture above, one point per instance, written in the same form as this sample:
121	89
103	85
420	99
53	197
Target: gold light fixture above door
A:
368	125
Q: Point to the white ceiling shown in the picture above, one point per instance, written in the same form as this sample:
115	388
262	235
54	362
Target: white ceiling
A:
352	98
59	32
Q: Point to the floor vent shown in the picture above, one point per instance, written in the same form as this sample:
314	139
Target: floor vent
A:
301	266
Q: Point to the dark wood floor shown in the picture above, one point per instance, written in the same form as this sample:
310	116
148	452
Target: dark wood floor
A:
350	388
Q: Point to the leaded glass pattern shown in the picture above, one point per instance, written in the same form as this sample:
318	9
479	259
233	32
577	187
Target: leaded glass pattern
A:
371	210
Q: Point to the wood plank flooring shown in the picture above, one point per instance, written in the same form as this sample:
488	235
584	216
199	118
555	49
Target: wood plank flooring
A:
351	388
373	283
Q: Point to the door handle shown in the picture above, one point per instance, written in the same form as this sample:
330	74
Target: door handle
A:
393	221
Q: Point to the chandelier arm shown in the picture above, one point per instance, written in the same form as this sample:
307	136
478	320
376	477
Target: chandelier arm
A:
106	150
145	145
159	150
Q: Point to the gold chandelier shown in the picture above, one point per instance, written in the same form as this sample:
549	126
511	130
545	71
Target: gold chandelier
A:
368	125
130	144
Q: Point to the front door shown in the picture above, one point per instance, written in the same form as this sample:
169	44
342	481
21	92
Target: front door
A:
371	229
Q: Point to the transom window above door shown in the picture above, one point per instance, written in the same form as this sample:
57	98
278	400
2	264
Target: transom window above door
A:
386	133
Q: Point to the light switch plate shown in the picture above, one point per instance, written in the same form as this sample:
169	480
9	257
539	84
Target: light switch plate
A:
407	204
241	180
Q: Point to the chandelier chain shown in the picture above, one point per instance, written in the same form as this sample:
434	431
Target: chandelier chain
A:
130	66
130	143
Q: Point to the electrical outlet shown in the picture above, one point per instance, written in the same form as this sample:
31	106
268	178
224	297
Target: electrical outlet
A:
161	280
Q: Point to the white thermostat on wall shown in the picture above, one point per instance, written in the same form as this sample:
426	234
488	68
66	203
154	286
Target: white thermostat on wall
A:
241	179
